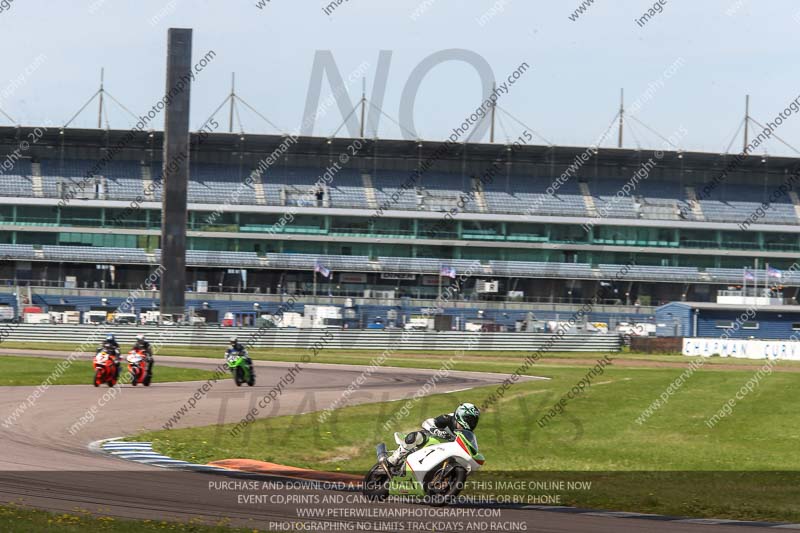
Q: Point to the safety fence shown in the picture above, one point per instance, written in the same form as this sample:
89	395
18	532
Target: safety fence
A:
305	338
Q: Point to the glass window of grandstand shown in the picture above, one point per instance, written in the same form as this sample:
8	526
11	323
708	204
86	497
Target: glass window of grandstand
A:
349	248
739	240
780	241
205	243
723	324
213	221
37	215
103	240
522	254
699	261
693	238
307	224
7	214
435	252
614	235
628	236
439	228
391	250
526	232
258	222
568	233
129	217
645	259
260	246
358	226
148	242
393	227
37	239
479	230
481	254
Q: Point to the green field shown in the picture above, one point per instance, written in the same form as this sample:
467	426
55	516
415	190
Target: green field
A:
745	467
18	519
34	370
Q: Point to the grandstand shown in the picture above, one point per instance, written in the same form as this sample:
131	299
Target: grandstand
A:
378	228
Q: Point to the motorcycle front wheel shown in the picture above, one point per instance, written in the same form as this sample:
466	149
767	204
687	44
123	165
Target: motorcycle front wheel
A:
376	484
443	485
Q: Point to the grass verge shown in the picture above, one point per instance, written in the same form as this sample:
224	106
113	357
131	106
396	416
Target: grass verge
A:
34	370
745	467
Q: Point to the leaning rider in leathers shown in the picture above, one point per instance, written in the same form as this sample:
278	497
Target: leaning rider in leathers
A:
143	345
444	427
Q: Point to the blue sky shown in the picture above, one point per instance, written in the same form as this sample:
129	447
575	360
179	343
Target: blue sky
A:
725	49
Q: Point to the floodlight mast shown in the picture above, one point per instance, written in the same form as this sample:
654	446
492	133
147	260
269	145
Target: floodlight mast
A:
175	173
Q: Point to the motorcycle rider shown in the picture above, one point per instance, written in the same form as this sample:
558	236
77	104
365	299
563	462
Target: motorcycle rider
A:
465	417
111	346
143	345
236	346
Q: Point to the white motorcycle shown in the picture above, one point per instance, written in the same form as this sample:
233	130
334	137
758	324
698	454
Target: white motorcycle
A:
436	472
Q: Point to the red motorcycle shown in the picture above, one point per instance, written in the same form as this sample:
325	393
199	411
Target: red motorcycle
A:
137	367
105	370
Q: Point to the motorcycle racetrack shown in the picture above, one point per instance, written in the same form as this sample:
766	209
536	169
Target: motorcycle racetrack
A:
47	462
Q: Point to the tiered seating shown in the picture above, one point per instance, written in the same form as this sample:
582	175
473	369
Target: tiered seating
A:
611	204
539	268
17	251
434	191
216	258
388	192
735	203
212	184
655	273
205	257
117	180
355	263
123	179
307	261
346	189
442	192
662	200
92	253
17	180
524	195
734	275
298	186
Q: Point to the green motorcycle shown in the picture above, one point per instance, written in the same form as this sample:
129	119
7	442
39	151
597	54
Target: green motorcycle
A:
241	369
436	472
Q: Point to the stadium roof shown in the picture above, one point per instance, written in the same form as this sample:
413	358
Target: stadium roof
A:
258	144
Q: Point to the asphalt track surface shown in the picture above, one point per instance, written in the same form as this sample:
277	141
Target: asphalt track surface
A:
42	465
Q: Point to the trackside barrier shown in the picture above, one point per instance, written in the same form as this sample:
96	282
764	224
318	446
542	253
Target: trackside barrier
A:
306	338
